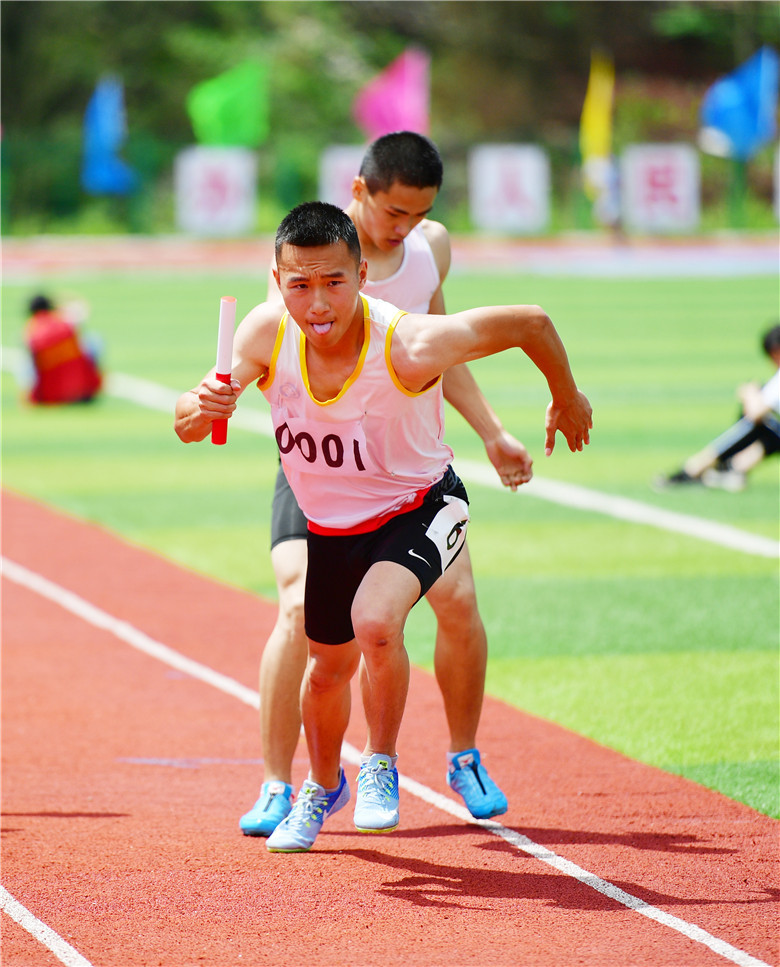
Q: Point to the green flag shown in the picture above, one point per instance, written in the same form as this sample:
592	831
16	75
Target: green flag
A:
232	108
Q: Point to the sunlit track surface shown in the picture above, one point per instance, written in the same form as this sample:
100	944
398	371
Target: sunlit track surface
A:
128	858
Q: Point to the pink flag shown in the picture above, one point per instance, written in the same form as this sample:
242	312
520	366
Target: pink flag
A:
398	99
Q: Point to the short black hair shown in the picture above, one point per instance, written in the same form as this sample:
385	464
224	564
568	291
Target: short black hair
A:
770	342
40	303
317	223
405	157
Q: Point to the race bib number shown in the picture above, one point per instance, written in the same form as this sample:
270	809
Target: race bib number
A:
313	447
447	530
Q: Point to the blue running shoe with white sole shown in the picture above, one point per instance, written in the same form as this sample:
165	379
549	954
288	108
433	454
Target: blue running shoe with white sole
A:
274	804
297	831
468	777
376	805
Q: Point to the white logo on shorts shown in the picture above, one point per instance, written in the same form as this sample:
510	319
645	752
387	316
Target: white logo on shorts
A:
415	554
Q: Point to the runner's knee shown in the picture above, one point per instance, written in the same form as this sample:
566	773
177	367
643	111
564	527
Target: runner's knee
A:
374	627
454	602
330	666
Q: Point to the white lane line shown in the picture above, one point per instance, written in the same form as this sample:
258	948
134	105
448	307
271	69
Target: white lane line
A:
623	508
125	631
61	949
143	392
138	639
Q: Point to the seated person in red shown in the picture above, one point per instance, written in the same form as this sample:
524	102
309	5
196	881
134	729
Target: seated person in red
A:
65	372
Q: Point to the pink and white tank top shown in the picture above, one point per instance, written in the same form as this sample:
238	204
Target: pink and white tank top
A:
415	280
370	452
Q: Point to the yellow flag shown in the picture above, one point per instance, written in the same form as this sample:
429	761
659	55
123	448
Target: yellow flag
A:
596	120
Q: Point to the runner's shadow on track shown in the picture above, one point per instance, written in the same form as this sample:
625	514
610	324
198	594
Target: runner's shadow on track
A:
657	842
5	830
59	815
427	884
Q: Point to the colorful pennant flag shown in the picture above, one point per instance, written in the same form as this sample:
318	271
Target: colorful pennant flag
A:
596	123
398	99
739	111
232	108
103	172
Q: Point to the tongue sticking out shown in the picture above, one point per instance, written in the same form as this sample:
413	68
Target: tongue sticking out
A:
321	327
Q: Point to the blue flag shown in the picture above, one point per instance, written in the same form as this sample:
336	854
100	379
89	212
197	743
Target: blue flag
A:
103	172
738	113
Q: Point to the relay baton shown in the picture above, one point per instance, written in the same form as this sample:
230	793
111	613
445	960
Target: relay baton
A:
227	321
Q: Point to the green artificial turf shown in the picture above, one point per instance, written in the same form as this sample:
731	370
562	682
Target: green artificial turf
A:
660	645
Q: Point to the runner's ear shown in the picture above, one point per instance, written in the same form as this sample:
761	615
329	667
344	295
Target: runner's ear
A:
359	187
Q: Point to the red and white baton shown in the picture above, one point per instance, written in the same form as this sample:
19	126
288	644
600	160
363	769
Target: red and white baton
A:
227	322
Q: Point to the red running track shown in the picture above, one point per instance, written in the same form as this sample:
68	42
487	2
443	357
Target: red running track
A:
124	779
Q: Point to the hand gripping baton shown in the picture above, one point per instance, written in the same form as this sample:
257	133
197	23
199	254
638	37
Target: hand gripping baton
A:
227	321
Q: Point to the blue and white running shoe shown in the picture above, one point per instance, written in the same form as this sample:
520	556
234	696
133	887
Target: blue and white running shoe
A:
468	777
274	804
297	832
376	805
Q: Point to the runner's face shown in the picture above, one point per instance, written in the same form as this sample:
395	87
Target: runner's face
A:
321	286
388	216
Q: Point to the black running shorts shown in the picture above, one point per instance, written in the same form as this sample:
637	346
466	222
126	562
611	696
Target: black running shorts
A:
744	433
425	541
287	520
769	434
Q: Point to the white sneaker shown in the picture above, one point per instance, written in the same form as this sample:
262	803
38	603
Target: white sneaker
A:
298	830
731	480
376	805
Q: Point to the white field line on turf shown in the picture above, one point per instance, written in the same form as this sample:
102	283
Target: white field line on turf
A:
623	508
159	397
137	639
143	392
61	949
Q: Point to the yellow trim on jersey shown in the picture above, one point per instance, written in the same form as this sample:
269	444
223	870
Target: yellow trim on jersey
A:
268	377
389	364
355	372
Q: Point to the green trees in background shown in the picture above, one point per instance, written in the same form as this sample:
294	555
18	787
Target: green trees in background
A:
502	71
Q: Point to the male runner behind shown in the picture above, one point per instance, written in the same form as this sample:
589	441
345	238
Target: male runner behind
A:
356	402
408	258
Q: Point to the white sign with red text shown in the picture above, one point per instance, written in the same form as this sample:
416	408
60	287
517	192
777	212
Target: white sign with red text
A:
660	188
509	188
338	166
215	190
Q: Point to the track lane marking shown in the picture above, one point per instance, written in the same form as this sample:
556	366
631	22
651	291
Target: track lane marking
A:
44	934
138	639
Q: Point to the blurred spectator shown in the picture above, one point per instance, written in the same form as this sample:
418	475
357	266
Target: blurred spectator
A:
65	368
726	461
